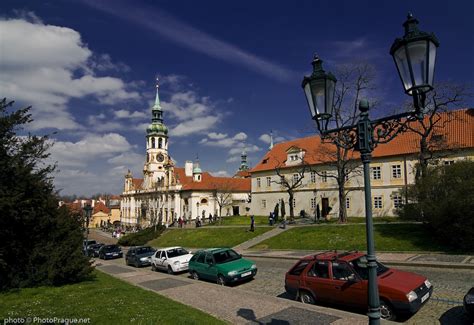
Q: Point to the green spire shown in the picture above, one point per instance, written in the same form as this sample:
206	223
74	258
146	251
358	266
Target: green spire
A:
157	126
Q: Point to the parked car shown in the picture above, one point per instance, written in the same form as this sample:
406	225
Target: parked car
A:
342	278
468	303
93	250
222	265
171	259
139	256
86	244
110	251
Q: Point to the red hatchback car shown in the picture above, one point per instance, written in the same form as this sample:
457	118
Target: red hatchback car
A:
341	278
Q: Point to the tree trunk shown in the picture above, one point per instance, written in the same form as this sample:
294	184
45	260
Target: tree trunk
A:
290	203
342	203
422	159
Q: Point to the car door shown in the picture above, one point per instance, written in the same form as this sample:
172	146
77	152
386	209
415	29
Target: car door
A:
293	277
199	265
163	260
156	258
316	278
347	288
209	267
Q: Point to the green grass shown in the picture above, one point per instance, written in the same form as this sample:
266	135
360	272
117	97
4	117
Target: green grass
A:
105	300
388	237
206	237
239	221
362	220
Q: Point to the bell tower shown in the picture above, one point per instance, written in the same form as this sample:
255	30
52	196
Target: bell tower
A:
157	157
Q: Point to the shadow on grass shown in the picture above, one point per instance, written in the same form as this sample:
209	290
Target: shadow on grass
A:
419	236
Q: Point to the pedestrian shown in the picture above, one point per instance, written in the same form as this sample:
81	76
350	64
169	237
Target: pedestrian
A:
210	218
270	219
252	223
318	213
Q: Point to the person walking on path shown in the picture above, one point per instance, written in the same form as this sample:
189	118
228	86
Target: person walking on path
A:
318	213
252	223
210	218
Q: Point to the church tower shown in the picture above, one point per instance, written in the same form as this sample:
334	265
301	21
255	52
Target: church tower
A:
243	161
157	157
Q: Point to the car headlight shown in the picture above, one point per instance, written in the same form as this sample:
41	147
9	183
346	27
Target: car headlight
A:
232	273
469	299
176	263
253	267
427	284
412	296
144	259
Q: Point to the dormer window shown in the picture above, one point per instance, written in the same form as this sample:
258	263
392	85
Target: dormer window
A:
295	156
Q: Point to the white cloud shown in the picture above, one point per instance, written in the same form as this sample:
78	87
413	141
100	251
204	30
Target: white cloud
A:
90	148
240	136
248	149
217	136
220	173
46	66
128	159
123	113
265	138
196	125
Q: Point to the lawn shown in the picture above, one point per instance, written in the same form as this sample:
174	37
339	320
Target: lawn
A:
206	237
240	221
388	237
105	300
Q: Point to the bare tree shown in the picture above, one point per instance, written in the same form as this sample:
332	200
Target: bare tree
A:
291	182
354	81
438	113
223	195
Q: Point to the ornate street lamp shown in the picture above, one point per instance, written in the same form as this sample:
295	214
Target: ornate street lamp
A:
414	56
319	89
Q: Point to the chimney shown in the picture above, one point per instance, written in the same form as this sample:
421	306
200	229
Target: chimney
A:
188	168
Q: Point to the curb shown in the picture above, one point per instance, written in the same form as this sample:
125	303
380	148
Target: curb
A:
441	265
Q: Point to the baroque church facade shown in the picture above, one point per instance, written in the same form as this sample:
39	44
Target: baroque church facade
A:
167	192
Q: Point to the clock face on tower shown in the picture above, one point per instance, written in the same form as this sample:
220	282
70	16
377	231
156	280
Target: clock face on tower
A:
160	157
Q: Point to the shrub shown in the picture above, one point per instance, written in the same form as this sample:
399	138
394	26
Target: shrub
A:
444	198
141	237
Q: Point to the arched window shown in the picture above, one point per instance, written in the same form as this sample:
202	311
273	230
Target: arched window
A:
153	142
204	201
160	143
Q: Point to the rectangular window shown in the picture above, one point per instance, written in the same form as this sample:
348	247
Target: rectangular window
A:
269	181
313	203
378	202
313	177
397	201
376	172
396	171
448	162
259	184
264	204
295	178
324	176
348	202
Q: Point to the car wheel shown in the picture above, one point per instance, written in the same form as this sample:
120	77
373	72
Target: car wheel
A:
136	263
194	275
153	267
220	280
386	311
170	270
306	297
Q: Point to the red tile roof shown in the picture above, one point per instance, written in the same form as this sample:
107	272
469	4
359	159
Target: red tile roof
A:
242	174
456	128
209	182
137	183
100	207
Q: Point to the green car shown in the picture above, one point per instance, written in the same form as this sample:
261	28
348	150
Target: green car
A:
222	265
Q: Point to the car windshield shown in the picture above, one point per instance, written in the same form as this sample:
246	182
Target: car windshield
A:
226	256
360	266
111	248
144	250
175	252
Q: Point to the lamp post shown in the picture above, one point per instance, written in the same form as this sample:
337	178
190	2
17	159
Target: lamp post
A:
87	214
414	55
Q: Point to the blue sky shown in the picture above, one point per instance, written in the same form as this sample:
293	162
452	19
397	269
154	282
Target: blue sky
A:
230	72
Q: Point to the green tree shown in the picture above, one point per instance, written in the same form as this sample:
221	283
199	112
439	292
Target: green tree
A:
41	243
444	199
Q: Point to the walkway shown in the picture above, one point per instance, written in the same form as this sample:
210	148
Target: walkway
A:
254	241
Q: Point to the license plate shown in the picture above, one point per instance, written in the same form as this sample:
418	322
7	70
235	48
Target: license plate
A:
245	274
423	299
